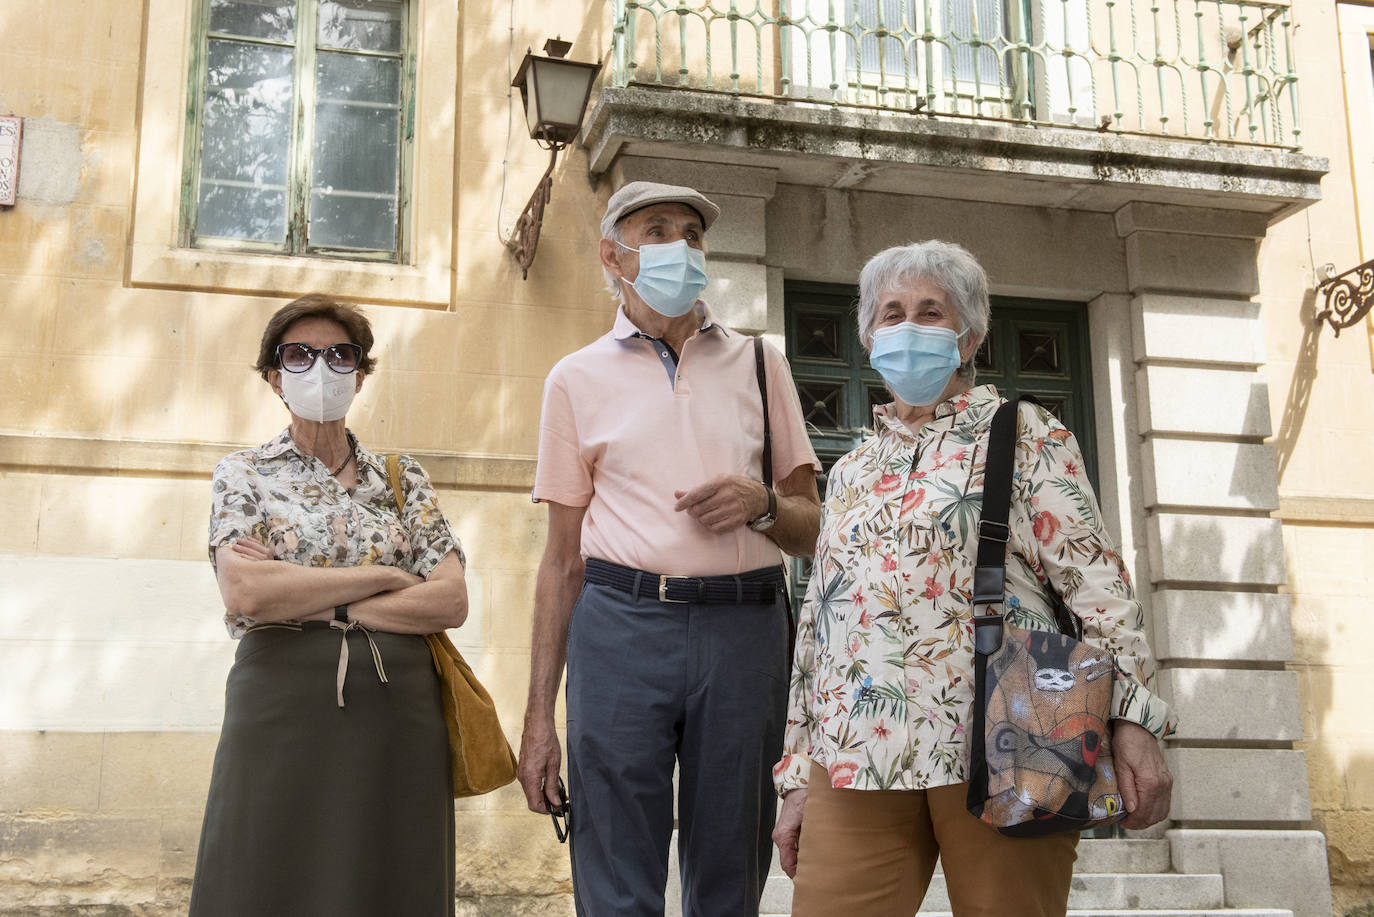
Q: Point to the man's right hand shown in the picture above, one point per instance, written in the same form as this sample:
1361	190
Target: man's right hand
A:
787	830
541	757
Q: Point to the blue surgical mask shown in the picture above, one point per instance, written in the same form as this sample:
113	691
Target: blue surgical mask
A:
671	276
916	361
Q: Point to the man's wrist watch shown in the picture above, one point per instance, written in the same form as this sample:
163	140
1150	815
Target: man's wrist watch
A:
770	515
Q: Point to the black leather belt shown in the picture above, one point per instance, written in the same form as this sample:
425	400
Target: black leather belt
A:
754	587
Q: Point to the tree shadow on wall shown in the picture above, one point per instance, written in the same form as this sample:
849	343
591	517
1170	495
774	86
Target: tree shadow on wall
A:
1301	385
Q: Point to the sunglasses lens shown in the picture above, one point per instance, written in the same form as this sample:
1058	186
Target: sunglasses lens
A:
296	358
342	358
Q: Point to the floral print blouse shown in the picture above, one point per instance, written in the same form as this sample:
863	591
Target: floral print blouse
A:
882	680
289	501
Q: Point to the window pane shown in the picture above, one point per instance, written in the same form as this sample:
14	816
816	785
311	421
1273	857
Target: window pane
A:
1039	352
821	402
362	25
355	174
241	212
986	356
245	142
353	78
274	20
344	220
990	27
898	17
818	337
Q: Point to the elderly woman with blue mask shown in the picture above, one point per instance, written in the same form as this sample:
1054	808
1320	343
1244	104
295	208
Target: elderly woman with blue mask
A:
875	766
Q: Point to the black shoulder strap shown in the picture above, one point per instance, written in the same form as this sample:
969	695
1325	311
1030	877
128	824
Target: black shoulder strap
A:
990	573
767	427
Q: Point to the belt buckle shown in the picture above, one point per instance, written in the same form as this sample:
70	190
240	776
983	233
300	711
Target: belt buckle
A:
663	589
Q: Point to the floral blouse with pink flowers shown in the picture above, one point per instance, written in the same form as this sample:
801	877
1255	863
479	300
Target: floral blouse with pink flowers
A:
287	500
882	680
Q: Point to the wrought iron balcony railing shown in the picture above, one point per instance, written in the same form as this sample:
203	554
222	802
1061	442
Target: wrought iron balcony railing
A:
1213	70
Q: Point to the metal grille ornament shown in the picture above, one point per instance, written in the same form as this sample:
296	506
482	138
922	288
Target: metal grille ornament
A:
1348	296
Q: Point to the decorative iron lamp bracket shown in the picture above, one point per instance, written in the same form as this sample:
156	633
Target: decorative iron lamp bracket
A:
553	125
1348	296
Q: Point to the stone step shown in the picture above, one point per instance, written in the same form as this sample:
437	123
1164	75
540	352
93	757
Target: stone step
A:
1090	892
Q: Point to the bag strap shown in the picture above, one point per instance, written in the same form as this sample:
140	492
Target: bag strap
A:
990	571
393	473
767	427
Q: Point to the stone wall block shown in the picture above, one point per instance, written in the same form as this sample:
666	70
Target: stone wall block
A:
740	231
1233	704
738	294
1197	329
86	860
1143	216
1203	264
1214	475
143	772
1253	785
1225	626
1216	549
50	771
1263	868
1213	402
707	177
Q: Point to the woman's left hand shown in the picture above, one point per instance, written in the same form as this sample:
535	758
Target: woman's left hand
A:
1142	773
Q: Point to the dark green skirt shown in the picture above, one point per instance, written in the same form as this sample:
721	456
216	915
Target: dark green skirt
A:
320	810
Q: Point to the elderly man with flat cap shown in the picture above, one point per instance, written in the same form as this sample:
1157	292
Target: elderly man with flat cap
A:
676	468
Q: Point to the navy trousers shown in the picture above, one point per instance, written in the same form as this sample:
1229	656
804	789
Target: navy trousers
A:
650	683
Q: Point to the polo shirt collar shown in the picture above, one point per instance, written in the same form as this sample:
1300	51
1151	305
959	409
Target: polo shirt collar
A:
625	328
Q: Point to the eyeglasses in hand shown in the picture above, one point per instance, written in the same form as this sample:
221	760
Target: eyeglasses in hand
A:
561	813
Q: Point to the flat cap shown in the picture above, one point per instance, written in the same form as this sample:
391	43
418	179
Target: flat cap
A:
640	194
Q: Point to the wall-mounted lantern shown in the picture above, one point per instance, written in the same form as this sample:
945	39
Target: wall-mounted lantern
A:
555	93
1347	297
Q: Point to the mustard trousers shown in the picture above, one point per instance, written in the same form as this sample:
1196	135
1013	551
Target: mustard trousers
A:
871	853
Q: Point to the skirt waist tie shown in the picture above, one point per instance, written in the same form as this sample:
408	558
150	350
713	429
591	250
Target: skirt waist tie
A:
345	627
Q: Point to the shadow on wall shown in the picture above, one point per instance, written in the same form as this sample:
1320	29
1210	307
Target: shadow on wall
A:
1301	385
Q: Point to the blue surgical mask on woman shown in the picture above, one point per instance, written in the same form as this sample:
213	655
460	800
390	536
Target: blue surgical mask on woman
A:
916	361
671	276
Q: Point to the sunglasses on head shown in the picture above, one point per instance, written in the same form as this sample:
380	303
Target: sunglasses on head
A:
295	357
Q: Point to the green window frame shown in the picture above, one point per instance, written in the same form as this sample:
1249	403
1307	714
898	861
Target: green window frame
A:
301	168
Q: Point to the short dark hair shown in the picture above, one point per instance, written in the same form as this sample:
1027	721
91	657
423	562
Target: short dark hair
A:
316	305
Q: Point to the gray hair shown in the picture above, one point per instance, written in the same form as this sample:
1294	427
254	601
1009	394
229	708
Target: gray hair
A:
617	234
945	264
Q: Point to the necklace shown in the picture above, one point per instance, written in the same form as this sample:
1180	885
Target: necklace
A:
352	448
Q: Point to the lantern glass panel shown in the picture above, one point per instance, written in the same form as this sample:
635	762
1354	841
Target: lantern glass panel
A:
558	91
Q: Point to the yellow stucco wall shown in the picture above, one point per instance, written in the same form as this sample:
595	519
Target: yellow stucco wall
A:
1321	389
119	395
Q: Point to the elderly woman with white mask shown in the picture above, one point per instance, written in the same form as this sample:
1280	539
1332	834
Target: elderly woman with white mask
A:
875	766
331	791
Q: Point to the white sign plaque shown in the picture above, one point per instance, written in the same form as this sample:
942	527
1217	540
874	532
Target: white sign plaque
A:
11	131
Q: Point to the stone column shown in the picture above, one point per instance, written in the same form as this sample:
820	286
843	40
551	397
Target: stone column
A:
736	243
1216	559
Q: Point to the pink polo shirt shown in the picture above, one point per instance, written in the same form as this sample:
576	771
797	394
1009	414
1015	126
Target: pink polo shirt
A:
619	436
